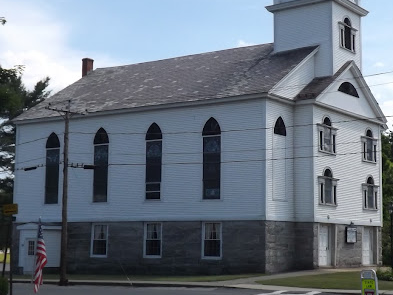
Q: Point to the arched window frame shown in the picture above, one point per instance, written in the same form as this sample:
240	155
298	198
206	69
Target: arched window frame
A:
370	194
211	160
327	136
279	127
347	35
100	178
327	188
52	169
369	147
153	162
349	89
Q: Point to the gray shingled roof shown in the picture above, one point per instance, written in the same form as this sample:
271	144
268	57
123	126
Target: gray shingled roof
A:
319	84
206	76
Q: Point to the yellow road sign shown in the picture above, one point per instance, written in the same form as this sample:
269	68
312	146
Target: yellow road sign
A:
10	209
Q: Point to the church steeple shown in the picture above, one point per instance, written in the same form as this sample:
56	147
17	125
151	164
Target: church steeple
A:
333	25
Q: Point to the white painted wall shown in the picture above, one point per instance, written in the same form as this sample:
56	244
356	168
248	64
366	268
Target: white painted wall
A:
342	55
346	165
357	105
52	244
297	79
279	163
304	163
317	24
242	170
306	26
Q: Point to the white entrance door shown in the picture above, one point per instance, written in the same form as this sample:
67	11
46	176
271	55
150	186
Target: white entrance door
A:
29	256
367	246
324	246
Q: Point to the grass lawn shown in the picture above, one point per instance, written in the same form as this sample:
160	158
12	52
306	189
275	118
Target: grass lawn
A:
2	258
338	280
147	278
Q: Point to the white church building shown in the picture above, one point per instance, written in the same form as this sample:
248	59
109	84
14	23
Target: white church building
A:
256	159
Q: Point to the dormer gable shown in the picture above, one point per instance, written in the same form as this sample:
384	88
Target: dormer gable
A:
349	92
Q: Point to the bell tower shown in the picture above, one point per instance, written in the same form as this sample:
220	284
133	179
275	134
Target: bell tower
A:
333	25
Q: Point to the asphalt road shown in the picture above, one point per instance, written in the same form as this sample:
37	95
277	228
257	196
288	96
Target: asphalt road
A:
26	289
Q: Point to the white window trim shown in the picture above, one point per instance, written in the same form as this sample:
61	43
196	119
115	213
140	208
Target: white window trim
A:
92	240
321	180
342	25
333	138
145	238
203	242
364	149
365	187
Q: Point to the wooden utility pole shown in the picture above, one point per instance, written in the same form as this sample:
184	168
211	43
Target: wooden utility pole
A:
66	114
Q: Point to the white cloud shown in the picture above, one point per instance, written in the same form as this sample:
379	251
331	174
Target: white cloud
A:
242	43
34	38
379	65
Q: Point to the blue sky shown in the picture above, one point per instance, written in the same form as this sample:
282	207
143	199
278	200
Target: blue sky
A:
51	37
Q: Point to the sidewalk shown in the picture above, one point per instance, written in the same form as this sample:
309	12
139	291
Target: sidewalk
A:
245	283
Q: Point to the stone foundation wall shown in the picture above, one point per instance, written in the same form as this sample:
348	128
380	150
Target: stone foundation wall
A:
348	254
243	248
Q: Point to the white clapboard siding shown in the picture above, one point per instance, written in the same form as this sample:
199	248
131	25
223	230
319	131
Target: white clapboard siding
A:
295	81
304	163
306	26
357	105
341	55
279	164
349	168
242	170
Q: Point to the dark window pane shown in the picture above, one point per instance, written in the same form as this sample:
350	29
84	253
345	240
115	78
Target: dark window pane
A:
152	195
212	248
211	127
153	247
328	191
348	88
211	189
101	137
53	141
370	197
100	183
154	132
369	149
52	176
348	41
279	127
99	247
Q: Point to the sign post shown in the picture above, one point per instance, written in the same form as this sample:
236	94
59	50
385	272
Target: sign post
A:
369	282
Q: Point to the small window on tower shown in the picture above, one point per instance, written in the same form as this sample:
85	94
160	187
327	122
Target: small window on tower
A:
347	35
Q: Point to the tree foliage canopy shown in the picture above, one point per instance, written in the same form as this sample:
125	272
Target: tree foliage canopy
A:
14	99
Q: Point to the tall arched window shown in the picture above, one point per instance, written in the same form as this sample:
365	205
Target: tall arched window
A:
153	162
100	182
327	188
279	127
347	35
369	147
370	194
327	136
52	169
211	159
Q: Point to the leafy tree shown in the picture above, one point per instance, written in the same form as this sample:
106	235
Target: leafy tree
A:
387	184
14	99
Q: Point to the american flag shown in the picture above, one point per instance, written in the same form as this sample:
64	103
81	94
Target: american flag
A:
40	259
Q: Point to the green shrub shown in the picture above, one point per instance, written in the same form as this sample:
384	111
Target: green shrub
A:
3	286
385	274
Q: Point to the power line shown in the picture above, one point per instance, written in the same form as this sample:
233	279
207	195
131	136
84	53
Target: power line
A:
322	155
